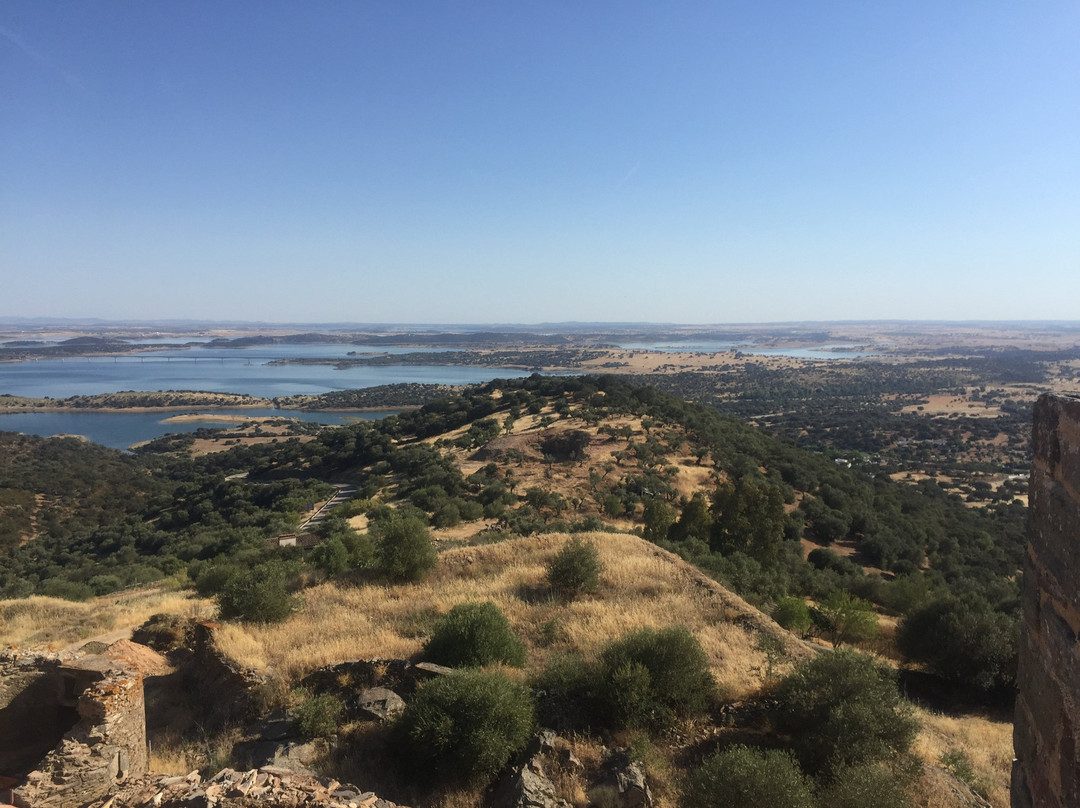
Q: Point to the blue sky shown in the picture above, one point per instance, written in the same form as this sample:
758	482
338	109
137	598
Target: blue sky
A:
694	162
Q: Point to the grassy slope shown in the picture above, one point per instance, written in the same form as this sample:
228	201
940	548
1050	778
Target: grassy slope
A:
642	586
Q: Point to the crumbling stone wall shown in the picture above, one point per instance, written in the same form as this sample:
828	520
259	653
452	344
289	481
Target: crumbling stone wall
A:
230	692
100	741
1046	734
32	717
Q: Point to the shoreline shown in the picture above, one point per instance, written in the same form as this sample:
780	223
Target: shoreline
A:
202	408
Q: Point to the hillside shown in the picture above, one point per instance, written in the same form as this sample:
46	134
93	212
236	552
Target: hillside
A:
501	475
642	586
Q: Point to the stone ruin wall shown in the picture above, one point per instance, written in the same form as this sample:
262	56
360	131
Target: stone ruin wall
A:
1046	733
70	730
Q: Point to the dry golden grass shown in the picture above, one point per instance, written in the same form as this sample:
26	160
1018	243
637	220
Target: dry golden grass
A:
988	745
54	623
206	751
642	586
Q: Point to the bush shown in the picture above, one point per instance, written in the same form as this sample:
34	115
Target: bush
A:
568	694
749	778
318	715
969	645
474	634
68	590
331	556
405	551
849	619
840	709
466	726
793	614
446	515
259	594
872	784
575	569
652	676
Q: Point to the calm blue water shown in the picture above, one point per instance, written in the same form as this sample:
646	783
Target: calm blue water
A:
225	371
122	429
216	370
690	346
747	347
813	352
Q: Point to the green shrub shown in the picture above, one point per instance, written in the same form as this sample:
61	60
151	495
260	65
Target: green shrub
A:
446	515
958	764
405	551
748	778
259	595
466	726
469	510
793	614
331	556
471	635
68	590
318	715
652	676
575	569
966	644
841	708
568	694
850	619
868	784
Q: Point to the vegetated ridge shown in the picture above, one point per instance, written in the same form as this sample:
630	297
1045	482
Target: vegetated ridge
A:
548	457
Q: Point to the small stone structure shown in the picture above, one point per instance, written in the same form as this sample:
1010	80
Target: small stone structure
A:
1046	734
71	729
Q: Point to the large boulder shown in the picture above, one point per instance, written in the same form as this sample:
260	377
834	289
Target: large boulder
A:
380	703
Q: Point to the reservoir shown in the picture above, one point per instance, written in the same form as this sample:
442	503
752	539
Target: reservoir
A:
217	370
119	430
223	370
808	352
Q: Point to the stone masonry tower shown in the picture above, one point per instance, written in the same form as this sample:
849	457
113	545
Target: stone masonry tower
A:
1046	735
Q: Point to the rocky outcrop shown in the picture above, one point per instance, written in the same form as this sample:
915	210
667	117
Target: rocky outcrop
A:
1046	735
622	783
527	783
381	704
356	675
372	689
531	781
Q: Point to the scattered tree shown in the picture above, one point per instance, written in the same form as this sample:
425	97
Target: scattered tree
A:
575	569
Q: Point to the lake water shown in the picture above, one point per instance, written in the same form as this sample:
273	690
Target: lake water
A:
223	370
690	346
218	370
122	429
809	352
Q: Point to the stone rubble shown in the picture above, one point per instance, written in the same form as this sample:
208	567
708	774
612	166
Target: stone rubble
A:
229	788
